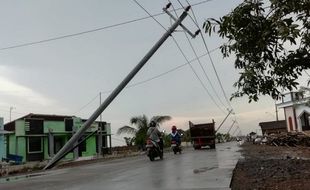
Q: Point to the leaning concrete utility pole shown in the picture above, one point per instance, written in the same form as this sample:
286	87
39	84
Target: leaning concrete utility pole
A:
230	111
231	126
235	131
64	150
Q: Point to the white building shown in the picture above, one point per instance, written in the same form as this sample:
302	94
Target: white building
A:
3	143
297	110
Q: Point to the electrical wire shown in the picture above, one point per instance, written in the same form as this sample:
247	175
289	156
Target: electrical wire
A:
88	103
211	60
147	80
195	53
164	73
88	31
183	54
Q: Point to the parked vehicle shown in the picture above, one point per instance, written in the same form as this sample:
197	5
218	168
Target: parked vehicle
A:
153	150
175	147
202	135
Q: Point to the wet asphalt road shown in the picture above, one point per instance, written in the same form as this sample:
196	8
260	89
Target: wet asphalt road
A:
194	169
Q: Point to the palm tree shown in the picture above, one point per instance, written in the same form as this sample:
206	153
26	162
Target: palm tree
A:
140	128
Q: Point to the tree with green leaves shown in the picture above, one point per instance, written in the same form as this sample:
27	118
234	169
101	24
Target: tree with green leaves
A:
129	141
270	40
140	127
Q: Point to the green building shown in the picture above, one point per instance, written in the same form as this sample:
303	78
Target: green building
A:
38	137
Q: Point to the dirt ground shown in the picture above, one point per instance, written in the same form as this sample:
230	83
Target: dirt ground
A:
271	167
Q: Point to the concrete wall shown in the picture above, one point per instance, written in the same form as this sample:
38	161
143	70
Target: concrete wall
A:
300	109
289	113
90	147
18	145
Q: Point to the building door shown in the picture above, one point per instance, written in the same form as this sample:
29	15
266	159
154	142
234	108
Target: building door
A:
35	149
34	142
304	118
59	142
82	148
290	123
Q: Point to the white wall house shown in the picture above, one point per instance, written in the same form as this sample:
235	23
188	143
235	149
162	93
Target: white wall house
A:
297	110
3	134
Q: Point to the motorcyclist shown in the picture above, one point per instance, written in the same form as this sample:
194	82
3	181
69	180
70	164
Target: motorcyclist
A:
155	135
175	136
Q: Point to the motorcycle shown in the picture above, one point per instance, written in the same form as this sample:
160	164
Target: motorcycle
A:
153	150
175	147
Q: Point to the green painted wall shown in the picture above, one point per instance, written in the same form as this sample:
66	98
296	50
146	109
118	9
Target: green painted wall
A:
56	127
90	147
20	127
12	141
2	141
21	146
45	148
21	150
69	155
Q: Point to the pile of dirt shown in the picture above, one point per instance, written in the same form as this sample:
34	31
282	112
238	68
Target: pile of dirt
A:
292	139
271	167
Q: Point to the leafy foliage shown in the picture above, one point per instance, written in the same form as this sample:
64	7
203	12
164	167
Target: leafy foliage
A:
271	42
141	125
221	137
129	140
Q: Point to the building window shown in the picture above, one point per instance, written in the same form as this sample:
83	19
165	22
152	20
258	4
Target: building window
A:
35	145
59	142
68	124
34	126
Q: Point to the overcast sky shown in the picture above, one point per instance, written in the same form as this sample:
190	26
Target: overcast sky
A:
65	76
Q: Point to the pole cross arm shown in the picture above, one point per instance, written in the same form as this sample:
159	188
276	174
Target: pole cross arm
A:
175	19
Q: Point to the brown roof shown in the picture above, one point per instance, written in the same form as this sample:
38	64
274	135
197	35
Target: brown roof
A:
273	125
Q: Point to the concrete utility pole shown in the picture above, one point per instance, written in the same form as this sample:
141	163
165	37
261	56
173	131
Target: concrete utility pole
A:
64	150
11	108
231	126
230	111
100	129
235	131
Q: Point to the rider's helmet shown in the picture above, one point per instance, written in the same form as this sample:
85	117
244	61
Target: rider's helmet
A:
173	128
152	124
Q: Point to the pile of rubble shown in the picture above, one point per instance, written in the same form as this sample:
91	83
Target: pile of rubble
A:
291	139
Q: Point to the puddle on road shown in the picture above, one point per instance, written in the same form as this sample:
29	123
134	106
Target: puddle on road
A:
17	178
201	170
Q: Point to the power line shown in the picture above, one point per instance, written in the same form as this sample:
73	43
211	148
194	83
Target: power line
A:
194	51
211	60
93	99
156	76
195	21
147	80
89	31
204	71
149	14
164	73
183	54
203	85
